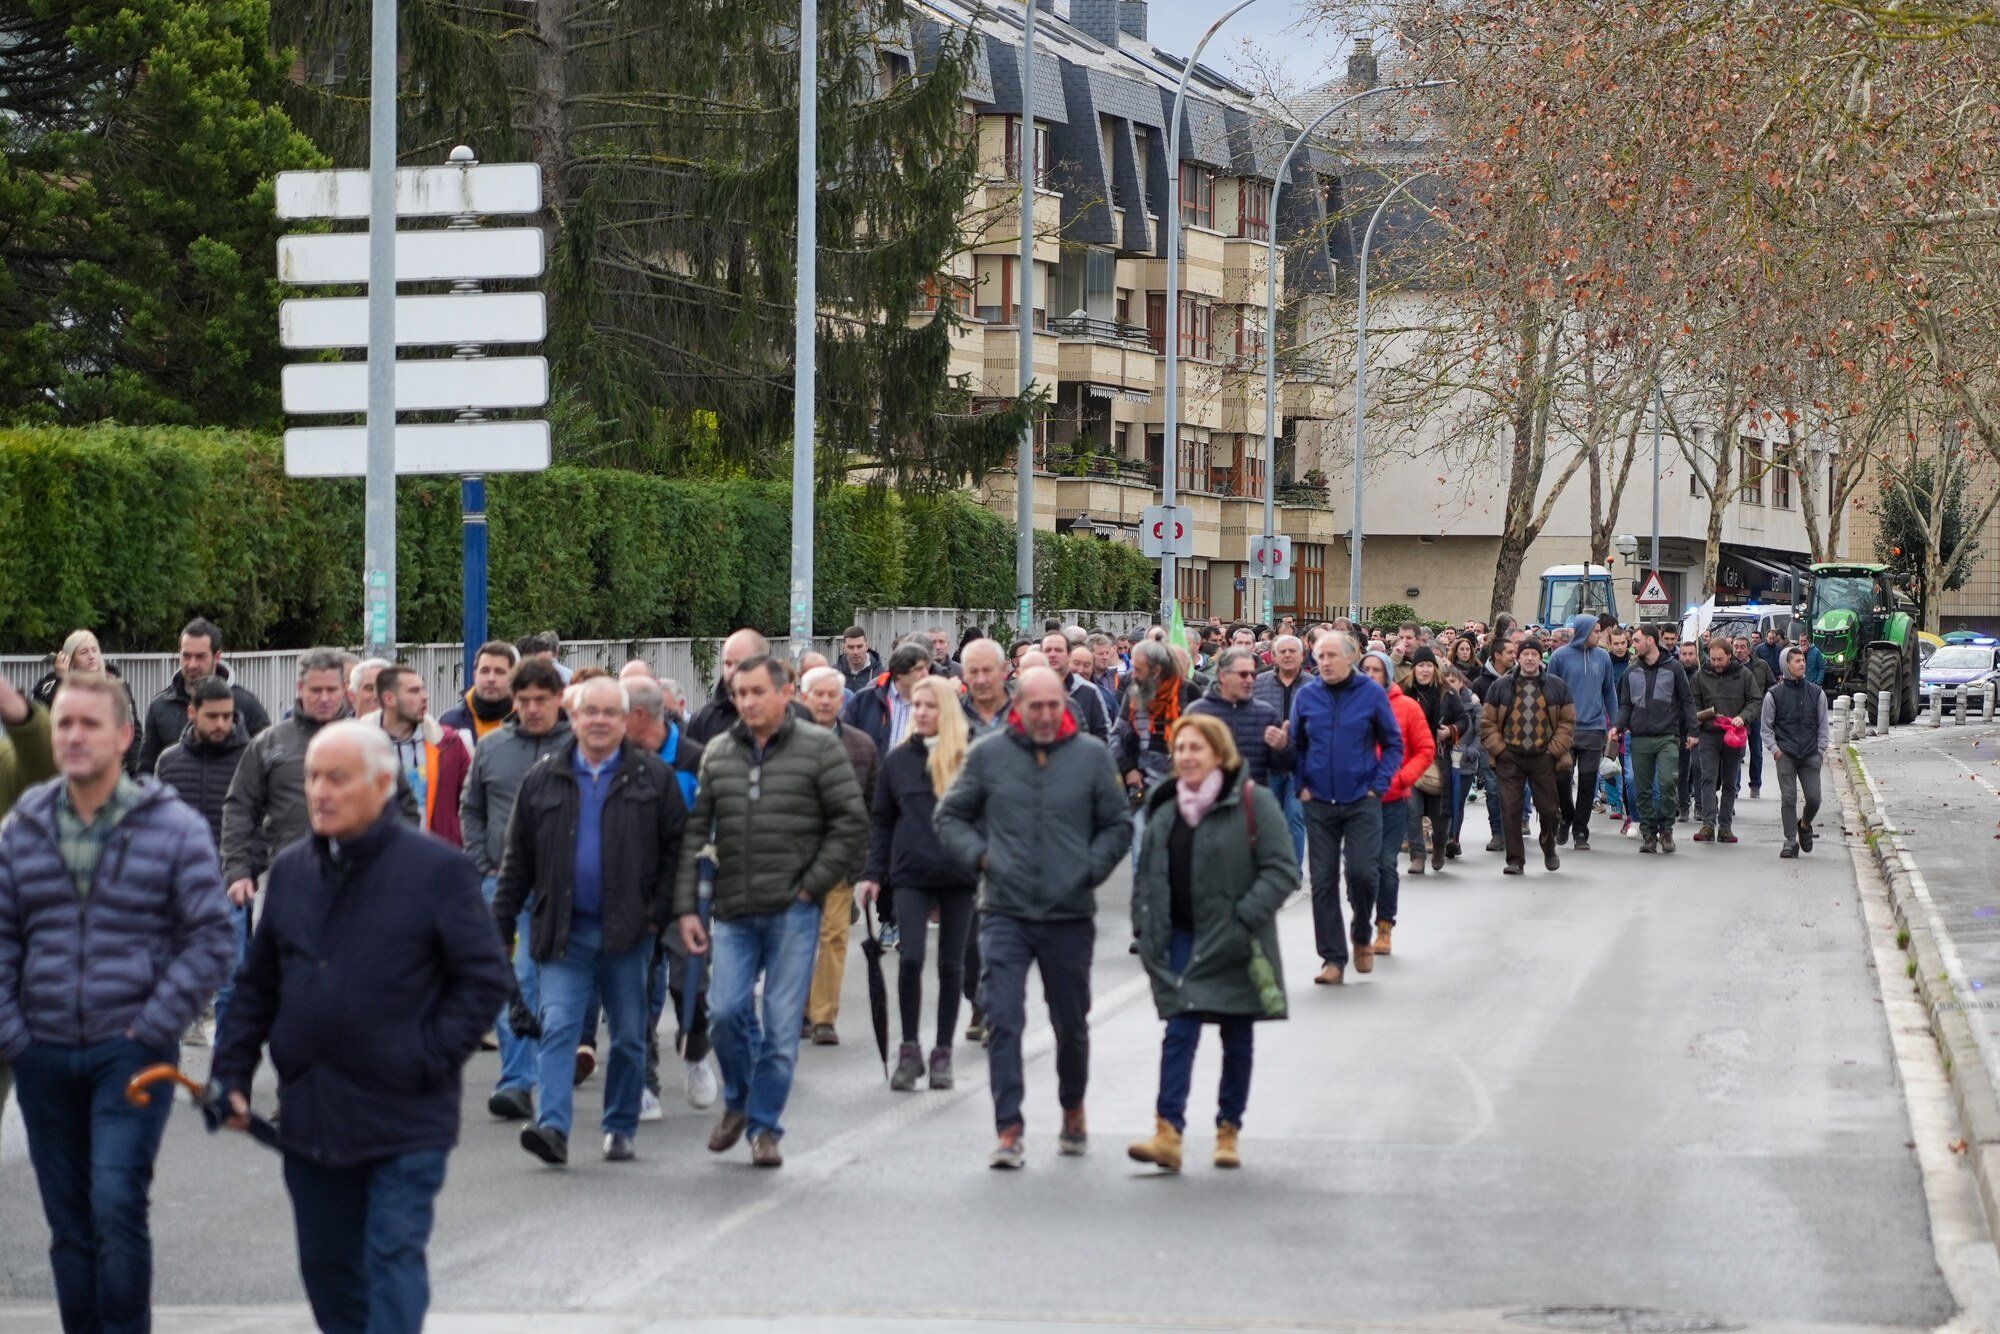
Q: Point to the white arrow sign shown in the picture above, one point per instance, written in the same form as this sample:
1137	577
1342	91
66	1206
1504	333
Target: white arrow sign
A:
435	256
421	192
421	386
482	317
451	447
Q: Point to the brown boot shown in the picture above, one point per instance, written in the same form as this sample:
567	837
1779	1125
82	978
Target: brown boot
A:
1382	930
1225	1146
1328	976
1163	1150
1364	958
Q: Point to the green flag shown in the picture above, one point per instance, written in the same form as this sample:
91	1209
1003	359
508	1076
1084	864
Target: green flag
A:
1177	630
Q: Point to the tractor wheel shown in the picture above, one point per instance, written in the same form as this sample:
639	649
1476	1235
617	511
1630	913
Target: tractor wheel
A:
1906	711
1884	667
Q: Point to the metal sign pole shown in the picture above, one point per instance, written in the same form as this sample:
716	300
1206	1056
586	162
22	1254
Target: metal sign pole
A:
805	381
1024	470
378	561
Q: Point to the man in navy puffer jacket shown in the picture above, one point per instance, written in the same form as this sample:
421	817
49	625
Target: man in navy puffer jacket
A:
113	931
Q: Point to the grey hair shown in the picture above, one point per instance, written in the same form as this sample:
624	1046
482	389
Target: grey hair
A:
1231	656
818	674
324	660
624	691
671	689
1165	668
1342	640
377	753
1099	640
1075	634
645	696
354	677
990	646
1280	641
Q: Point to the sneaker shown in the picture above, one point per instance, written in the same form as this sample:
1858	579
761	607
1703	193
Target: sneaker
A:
511	1104
892	937
1562	834
1805	837
1725	835
1789	851
727	1131
1416	865
1705	834
618	1148
1756	792
549	1145
824	1036
586	1064
764	1150
1630	830
941	1077
1075	1135
909	1067
1649	844
1008	1154
649	1106
1512	868
702	1086
1580	845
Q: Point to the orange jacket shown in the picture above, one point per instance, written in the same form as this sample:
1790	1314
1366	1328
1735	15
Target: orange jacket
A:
1419	746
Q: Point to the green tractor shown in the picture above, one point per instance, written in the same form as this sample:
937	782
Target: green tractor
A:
1865	628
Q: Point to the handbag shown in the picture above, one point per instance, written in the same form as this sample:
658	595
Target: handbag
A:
1428	782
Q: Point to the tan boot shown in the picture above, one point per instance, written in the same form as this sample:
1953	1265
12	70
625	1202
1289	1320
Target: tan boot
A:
1328	976
1364	958
1225	1146
1163	1150
1382	930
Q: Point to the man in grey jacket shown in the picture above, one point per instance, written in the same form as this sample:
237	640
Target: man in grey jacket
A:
499	766
1796	731
113	931
1038	812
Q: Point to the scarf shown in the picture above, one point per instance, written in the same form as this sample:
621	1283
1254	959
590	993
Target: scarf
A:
1164	712
1196	802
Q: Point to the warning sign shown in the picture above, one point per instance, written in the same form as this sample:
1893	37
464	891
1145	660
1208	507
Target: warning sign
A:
1652	599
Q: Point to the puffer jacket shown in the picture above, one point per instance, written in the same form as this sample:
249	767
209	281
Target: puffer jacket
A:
1048	822
1732	693
801	831
1419	746
499	765
167	714
903	847
200	773
1247	721
266	805
1499	707
140	953
1237	884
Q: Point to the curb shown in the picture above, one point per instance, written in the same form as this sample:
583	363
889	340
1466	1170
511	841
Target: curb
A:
1970	1066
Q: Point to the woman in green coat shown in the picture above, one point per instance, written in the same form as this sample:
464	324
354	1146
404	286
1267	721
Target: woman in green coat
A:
1215	865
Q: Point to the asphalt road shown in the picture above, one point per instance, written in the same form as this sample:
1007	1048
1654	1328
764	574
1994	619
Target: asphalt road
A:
1663	1082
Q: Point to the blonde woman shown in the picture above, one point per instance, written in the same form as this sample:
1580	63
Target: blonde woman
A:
82	653
905	855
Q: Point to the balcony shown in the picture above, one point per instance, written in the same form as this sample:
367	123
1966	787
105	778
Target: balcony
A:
1244	264
1106	353
1309	400
1312	494
1107	467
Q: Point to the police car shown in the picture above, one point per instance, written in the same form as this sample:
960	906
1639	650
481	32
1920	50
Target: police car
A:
1973	666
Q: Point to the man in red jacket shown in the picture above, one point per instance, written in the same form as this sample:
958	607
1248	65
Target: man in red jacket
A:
435	758
1419	752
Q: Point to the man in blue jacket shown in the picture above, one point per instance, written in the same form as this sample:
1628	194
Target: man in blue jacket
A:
374	971
1348	748
1592	680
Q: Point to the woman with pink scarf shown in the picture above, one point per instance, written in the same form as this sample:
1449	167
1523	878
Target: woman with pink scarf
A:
1215	865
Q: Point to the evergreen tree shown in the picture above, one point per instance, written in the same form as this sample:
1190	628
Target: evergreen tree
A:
137	234
667	137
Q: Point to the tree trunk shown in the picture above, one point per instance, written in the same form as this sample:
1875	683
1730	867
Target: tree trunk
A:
1523	469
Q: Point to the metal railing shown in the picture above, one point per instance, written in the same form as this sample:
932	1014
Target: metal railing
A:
1102	331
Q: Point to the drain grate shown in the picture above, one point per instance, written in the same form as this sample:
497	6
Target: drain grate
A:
1619	1320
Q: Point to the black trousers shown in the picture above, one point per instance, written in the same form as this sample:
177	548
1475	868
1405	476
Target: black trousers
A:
1576	791
1539	774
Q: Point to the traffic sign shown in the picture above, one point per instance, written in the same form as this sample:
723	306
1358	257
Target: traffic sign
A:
458	254
1652	597
1165	531
421	386
458	317
452	448
421	192
1271	557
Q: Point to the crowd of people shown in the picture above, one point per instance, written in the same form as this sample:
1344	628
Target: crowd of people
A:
364	891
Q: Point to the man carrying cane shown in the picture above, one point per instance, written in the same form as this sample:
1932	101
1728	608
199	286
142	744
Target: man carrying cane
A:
373	973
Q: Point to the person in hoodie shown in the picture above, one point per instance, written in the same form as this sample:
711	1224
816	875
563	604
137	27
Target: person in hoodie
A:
1588	672
1419	754
490	702
198	768
1724	689
1261	737
1349	748
1527	726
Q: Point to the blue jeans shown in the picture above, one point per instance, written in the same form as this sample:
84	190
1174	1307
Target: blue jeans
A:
93	1155
1177	1057
1285	787
1461	788
362	1232
1350	837
1395	825
239	918
567	985
1062	951
757	1058
519	1057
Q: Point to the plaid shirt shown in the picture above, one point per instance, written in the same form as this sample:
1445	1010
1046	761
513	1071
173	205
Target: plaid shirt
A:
82	845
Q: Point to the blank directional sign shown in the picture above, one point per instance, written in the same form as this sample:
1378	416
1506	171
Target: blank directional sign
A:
1164	531
421	192
472	317
464	254
449	448
421	386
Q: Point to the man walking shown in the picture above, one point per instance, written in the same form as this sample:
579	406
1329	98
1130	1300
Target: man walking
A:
789	824
1763	674
1591	677
591	853
166	715
372	975
1349	747
487	705
1797	732
1528	726
113	931
882	712
1085	698
858	666
492	786
1726	703
1040	817
434	759
198	768
1278	688
1656	711
824	694
1261	735
986	697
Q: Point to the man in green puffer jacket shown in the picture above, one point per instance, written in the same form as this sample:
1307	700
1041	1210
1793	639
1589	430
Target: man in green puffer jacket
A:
779	799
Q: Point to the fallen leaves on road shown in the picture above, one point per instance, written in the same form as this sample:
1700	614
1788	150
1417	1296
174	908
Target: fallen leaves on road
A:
1959	1146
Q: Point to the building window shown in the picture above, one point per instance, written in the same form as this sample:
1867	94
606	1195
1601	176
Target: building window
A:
1240	601
1309	580
1253	212
1197	196
1156	322
1197	329
957	290
1142	150
1249	338
1191	587
1781	488
1694	485
1750	459
1044	154
1192	467
1000	290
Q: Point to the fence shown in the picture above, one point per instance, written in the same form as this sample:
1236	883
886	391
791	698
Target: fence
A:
885	625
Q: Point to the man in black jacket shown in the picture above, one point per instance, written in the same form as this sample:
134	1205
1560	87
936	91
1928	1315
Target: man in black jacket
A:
1796	732
372	975
594	844
198	768
1656	713
166	715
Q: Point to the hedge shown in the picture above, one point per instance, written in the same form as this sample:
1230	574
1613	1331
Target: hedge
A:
132	531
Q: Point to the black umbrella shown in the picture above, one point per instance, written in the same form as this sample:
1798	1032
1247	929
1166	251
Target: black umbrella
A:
210	1100
878	990
704	904
527	1025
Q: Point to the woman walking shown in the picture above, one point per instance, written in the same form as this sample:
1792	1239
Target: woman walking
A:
1465	772
1430	799
904	854
1215	865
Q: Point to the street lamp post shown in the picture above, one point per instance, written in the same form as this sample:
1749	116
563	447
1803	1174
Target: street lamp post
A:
805	379
1361	393
1024	470
1659	411
1271	314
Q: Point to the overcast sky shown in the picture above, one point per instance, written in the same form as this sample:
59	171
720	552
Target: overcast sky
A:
1272	29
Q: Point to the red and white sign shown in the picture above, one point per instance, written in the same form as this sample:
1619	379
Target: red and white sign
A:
1164	531
1271	557
1652	594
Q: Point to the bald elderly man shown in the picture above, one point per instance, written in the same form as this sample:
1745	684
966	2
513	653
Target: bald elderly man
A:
719	714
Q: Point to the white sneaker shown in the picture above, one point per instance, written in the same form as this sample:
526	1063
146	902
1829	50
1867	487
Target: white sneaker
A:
703	1087
649	1106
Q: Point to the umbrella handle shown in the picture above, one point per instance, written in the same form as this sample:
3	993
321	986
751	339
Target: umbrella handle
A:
868	917
139	1089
